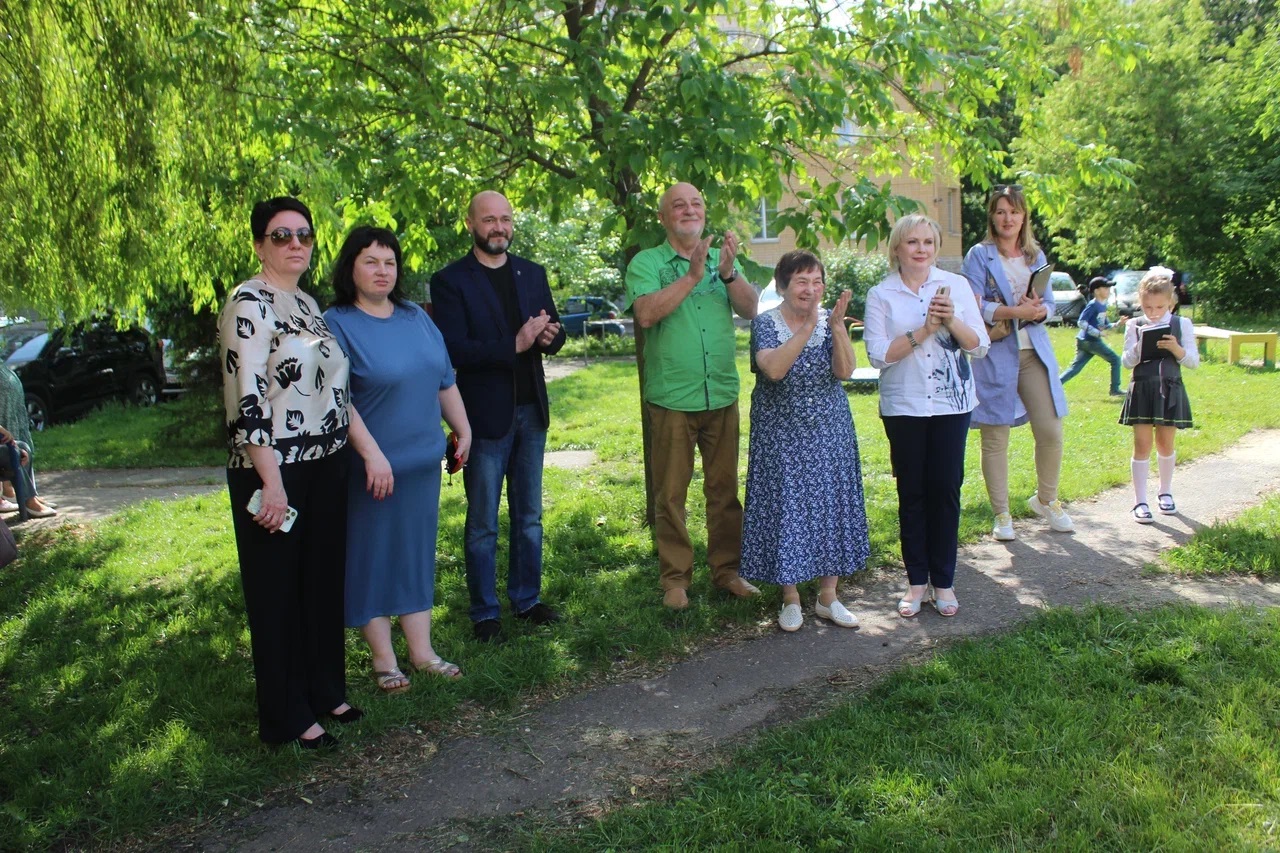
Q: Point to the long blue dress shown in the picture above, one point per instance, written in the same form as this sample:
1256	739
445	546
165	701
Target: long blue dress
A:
399	365
804	516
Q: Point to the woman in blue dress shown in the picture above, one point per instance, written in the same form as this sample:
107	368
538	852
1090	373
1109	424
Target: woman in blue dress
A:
401	383
804	516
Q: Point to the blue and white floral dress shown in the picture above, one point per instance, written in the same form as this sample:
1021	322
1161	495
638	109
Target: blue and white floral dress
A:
804	515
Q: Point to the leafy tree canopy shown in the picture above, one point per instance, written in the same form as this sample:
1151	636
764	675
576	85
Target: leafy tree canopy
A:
136	133
1192	117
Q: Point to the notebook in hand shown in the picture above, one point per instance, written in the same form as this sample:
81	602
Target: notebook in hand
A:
1151	335
1040	279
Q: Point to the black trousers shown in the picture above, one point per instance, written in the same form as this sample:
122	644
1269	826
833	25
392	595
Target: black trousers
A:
293	594
928	464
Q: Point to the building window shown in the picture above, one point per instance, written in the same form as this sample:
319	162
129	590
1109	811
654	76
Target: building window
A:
953	211
848	132
766	230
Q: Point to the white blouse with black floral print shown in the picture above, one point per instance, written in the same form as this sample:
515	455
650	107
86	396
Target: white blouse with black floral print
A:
284	380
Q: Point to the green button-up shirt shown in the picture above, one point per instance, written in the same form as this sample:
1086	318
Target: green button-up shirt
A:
689	354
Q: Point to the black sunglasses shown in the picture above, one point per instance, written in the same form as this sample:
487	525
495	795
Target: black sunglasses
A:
282	236
1000	189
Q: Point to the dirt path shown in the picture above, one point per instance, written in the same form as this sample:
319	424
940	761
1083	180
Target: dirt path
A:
596	746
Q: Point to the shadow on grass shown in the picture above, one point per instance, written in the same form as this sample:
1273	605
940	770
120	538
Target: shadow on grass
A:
117	683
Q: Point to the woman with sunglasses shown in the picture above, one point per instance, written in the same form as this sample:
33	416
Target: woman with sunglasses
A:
1018	380
285	389
402	382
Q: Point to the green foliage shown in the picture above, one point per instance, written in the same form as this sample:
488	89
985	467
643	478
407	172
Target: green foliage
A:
1092	730
855	271
1192	117
579	257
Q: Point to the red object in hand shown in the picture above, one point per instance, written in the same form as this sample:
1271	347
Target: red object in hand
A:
451	461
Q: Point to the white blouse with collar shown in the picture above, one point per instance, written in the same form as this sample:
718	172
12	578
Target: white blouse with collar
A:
934	378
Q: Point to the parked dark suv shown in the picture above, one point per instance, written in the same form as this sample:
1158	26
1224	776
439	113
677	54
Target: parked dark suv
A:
69	370
591	315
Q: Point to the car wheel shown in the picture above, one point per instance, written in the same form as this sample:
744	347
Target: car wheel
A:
145	390
37	413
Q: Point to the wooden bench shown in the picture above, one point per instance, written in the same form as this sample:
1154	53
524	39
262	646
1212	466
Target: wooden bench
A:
1234	339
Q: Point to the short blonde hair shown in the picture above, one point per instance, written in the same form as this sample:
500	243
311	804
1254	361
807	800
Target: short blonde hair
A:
905	226
1157	282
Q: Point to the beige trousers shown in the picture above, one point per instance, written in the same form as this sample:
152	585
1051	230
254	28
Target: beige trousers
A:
1046	426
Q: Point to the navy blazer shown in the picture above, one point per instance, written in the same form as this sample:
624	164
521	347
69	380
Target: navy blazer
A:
481	342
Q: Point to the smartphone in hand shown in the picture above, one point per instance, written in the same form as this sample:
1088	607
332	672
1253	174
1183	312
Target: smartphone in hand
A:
255	506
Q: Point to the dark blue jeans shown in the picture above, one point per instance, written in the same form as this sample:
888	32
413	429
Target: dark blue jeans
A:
928	465
517	459
1086	350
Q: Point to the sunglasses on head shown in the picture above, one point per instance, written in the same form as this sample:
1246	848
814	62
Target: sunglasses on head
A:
1000	189
282	236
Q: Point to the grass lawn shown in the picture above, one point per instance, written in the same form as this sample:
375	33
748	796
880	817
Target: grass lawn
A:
176	434
1098	730
1247	545
126	691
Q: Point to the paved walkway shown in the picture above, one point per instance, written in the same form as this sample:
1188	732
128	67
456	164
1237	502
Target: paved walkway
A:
594	745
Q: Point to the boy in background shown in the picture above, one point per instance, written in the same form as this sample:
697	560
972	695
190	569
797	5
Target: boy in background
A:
1093	322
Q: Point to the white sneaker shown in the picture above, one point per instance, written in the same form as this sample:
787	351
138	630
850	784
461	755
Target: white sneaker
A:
1053	511
1003	529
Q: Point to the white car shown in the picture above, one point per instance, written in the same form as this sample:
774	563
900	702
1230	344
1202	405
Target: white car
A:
1068	301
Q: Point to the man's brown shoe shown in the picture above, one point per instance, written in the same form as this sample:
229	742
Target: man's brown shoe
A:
675	598
740	588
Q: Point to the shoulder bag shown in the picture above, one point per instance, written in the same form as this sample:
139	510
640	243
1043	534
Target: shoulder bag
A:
1000	329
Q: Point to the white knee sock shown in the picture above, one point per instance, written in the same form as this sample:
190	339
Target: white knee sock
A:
1140	469
1165	465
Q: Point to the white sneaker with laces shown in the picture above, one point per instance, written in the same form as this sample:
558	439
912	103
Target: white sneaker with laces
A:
1053	511
1003	529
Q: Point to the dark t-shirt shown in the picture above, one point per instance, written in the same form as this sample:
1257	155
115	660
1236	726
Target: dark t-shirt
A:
504	286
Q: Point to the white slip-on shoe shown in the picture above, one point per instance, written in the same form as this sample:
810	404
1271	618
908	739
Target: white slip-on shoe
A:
837	614
1003	528
790	618
1052	511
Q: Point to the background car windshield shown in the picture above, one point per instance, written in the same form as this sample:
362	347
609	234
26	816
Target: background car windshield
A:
1127	282
19	349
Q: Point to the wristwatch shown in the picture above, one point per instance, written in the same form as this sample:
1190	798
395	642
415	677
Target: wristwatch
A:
911	339
733	276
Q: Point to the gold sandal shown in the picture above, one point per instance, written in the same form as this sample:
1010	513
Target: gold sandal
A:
391	681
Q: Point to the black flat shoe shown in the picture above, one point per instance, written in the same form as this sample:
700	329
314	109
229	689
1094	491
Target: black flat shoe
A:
488	631
322	741
539	614
351	715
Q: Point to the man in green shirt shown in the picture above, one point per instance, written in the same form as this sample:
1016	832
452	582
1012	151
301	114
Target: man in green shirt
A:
683	294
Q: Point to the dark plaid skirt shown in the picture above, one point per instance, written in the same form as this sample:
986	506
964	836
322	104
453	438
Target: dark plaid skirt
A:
1157	401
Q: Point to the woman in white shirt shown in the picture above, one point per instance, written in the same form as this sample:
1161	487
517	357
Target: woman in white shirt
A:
922	327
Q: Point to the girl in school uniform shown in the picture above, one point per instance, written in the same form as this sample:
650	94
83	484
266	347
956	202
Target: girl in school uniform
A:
1157	401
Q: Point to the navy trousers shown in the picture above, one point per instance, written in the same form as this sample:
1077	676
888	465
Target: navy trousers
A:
928	463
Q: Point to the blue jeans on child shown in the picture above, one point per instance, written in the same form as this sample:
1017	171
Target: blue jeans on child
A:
1087	349
517	459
